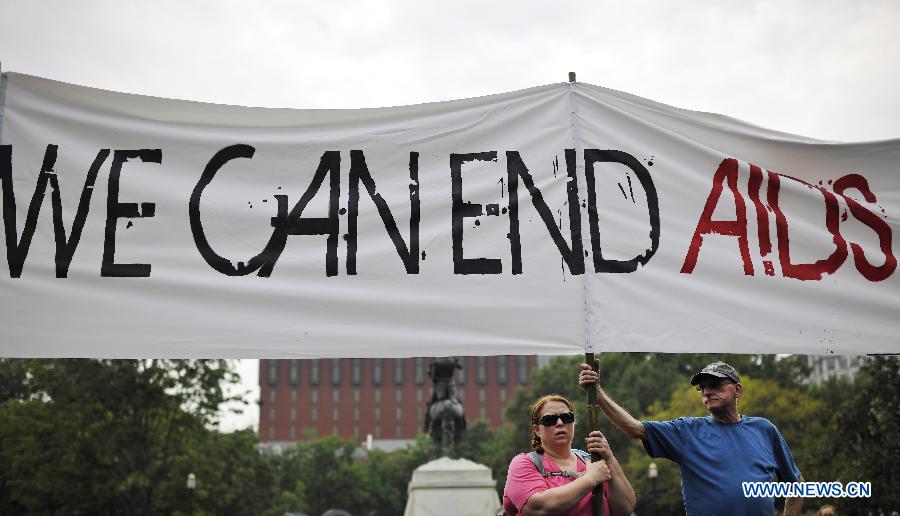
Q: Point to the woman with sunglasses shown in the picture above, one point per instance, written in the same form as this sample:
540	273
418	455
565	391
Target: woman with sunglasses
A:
568	478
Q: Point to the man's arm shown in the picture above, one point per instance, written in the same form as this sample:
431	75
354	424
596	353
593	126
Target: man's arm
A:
619	416
793	506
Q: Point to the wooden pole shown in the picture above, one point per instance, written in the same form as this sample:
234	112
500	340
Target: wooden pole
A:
593	410
594	418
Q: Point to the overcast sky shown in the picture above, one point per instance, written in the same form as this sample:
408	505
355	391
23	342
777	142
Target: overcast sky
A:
826	69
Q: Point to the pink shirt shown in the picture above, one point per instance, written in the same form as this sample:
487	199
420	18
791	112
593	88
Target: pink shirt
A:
523	480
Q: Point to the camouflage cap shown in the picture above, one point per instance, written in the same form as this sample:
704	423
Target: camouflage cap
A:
718	370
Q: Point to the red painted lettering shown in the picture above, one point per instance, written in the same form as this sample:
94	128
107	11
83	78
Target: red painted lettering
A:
869	271
727	170
815	270
762	218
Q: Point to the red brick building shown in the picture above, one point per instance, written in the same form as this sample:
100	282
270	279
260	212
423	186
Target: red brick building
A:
384	397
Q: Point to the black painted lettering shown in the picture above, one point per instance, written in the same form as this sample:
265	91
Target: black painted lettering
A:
462	210
573	256
359	172
266	259
330	164
17	248
601	264
116	210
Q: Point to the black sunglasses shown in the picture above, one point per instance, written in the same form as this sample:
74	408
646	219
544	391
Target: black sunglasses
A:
550	419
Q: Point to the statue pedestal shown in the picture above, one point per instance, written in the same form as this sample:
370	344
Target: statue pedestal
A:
452	486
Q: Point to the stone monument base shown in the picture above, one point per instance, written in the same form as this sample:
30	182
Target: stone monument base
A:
452	486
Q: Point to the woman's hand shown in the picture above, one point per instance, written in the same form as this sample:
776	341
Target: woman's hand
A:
598	472
587	376
597	443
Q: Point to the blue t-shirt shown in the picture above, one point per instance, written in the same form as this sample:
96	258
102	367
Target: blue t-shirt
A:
716	458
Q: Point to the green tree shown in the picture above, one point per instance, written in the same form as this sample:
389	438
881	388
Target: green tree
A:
104	436
328	472
13	379
866	446
325	474
232	476
637	380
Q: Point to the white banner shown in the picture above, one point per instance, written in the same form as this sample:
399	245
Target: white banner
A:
556	219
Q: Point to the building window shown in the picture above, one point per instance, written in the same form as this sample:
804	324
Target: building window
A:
419	413
314	414
377	395
314	394
334	414
482	413
356	395
419	370
273	396
377	371
502	394
377	432
461	373
356	432
398	414
314	372
335	396
293	433
293	395
522	369
420	395
273	371
271	414
356	374
356	413
481	370
293	413
377	414
501	369
271	433
335	371
398	371
481	395
398	395
398	432
294	375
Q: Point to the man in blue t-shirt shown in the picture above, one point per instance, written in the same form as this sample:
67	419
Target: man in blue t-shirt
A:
716	453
